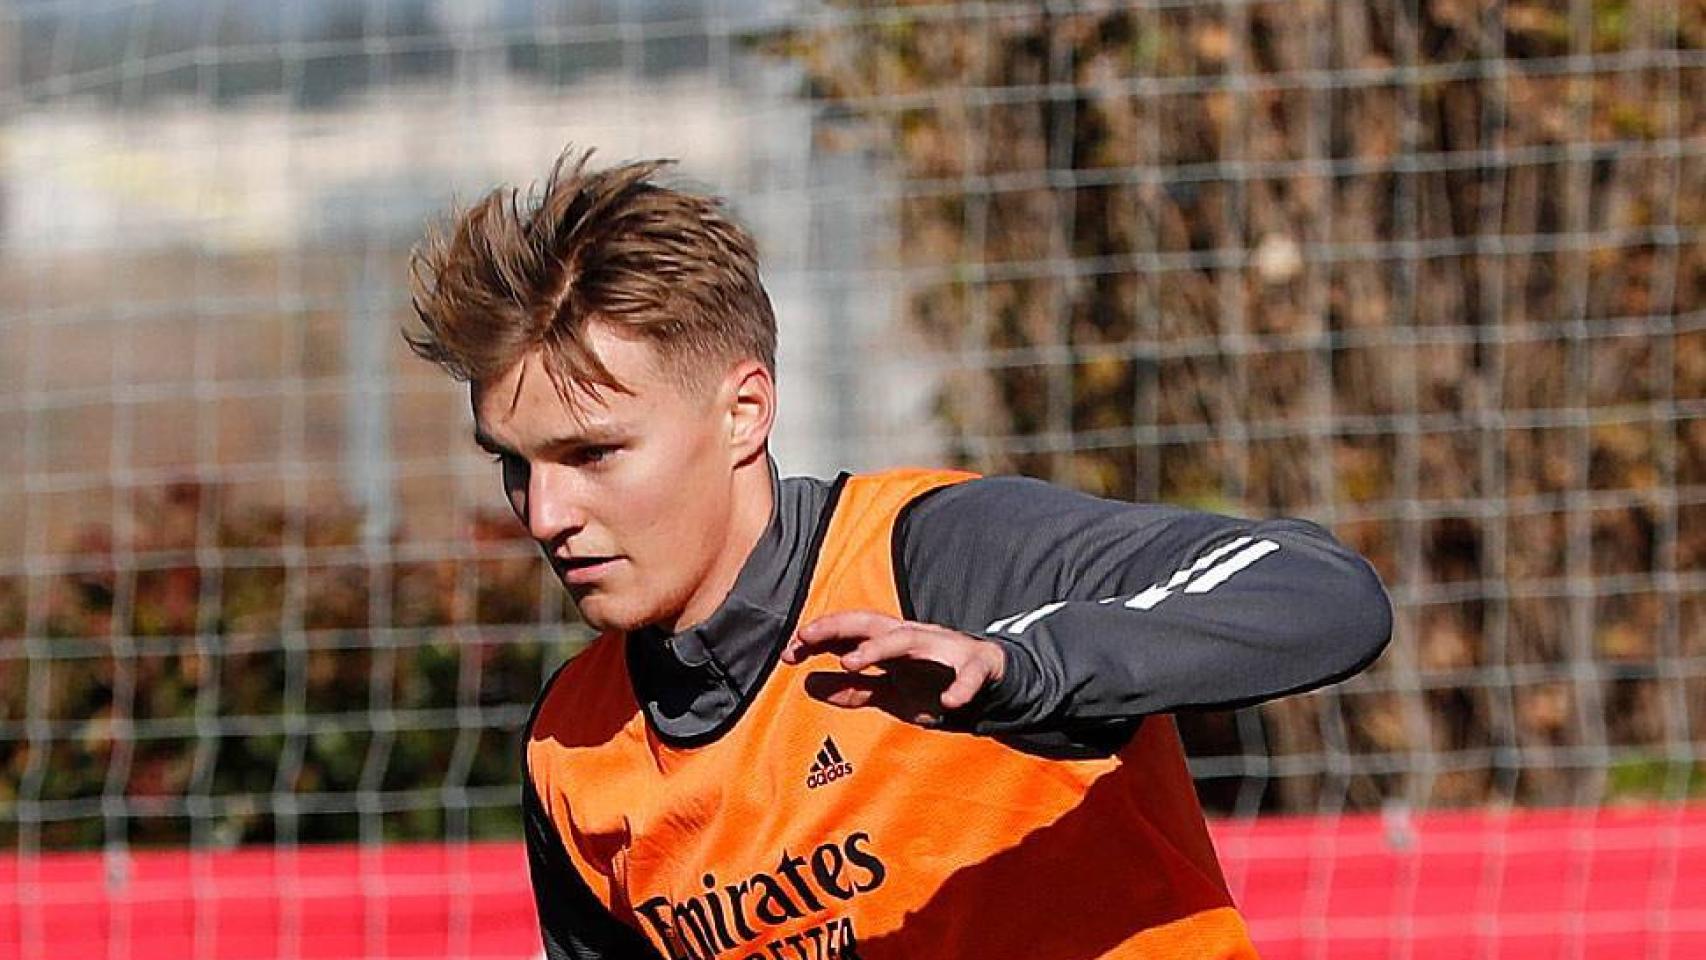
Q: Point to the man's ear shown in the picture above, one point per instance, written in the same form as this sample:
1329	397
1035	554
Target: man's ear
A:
751	393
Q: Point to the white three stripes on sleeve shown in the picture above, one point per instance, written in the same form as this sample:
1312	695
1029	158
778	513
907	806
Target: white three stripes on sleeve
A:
1020	622
1154	595
1209	571
1231	565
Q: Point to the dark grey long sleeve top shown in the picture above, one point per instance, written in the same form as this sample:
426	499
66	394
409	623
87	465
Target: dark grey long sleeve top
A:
1113	610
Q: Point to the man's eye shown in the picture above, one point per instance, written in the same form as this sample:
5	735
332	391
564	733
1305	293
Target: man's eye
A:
595	454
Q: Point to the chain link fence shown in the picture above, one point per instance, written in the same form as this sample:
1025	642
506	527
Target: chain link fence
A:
1429	272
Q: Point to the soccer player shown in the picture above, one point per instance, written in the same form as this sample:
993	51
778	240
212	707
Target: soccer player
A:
911	714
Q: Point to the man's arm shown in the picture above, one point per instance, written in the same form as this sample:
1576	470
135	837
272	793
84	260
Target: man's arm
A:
574	924
1036	610
1111	610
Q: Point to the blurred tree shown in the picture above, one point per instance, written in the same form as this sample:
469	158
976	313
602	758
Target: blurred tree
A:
1314	258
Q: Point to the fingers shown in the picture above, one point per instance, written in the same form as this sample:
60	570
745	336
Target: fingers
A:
890	645
967	682
869	639
837	631
924	671
986	664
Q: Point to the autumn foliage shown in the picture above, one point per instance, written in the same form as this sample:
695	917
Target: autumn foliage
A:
1431	273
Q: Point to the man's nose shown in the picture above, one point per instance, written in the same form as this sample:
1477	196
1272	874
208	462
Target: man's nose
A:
554	507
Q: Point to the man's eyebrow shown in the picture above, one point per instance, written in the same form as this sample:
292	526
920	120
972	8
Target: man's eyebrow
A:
592	435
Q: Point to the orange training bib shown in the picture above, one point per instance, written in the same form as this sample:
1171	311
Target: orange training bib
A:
811	832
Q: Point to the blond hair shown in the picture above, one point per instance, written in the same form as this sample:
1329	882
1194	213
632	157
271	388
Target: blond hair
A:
520	272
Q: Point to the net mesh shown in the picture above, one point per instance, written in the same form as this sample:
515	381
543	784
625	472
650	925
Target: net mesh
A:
1429	272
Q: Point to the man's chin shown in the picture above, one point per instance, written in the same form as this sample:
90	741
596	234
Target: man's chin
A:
603	615
599	620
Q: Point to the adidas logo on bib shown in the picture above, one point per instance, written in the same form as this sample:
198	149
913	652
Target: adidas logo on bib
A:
829	766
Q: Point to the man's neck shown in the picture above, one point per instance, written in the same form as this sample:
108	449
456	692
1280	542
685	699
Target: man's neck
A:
754	499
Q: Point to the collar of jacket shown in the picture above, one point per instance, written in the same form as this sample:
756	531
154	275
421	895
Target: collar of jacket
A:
690	682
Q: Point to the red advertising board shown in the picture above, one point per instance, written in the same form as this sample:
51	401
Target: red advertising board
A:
1550	883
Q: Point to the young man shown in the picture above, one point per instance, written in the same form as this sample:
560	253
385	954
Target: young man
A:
915	714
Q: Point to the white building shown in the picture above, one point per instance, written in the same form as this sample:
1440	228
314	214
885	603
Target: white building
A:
190	262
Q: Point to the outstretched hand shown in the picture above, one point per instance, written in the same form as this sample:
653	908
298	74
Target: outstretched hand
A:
915	671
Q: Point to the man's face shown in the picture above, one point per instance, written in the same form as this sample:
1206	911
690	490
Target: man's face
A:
629	495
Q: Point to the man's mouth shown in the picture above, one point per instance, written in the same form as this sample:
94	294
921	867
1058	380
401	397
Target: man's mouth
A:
585	569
